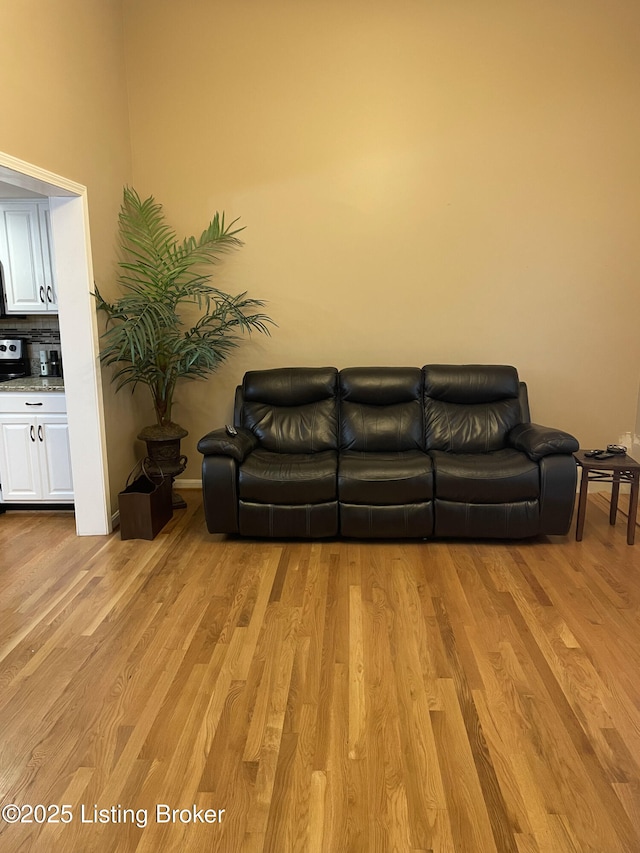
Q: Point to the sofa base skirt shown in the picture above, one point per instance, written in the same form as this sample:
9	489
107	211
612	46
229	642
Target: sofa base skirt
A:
405	521
304	521
515	520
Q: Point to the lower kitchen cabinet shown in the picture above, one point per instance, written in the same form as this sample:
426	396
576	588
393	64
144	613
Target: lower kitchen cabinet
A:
35	462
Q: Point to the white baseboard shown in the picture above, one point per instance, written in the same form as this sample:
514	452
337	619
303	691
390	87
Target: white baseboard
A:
187	484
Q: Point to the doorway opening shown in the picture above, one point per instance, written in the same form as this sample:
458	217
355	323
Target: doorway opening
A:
78	337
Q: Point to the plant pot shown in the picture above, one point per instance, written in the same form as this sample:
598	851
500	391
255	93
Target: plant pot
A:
163	455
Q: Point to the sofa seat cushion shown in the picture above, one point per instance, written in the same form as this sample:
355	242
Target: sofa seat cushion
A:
288	478
498	477
381	479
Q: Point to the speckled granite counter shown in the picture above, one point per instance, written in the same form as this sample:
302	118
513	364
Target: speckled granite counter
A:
33	383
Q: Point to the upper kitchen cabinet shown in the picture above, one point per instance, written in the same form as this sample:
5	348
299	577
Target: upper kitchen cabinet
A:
26	257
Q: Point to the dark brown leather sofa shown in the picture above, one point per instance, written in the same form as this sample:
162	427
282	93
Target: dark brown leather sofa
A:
387	452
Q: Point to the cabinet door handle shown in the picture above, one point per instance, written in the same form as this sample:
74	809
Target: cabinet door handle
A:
49	294
33	404
41	293
40	433
32	433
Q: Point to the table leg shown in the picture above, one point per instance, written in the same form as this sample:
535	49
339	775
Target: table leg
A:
615	491
633	509
582	504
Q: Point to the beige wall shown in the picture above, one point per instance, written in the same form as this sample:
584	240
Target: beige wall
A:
64	109
420	182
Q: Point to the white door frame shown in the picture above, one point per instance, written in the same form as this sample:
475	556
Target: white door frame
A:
78	337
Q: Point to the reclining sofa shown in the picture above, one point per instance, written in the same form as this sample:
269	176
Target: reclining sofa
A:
387	452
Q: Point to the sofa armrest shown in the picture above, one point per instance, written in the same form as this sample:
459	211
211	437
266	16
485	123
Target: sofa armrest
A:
218	442
220	493
538	441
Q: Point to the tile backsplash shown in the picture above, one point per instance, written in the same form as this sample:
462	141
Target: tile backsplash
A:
41	333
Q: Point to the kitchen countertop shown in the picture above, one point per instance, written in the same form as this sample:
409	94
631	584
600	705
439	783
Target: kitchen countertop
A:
33	383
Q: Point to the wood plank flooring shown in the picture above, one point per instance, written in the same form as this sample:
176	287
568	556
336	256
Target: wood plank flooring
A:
198	693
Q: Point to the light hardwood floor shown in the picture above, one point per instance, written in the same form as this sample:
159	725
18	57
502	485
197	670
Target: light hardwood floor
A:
328	696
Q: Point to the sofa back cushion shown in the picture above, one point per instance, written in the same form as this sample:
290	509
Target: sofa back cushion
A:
470	408
381	409
292	409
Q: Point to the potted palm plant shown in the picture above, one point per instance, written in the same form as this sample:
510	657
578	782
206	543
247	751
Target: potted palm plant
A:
152	334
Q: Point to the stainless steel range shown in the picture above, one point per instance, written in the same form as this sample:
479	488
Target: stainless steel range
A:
14	361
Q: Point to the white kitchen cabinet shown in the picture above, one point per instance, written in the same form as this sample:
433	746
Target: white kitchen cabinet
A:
26	257
35	463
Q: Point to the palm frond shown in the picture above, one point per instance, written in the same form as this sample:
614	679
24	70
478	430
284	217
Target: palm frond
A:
145	333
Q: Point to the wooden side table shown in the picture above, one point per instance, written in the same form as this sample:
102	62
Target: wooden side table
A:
616	470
